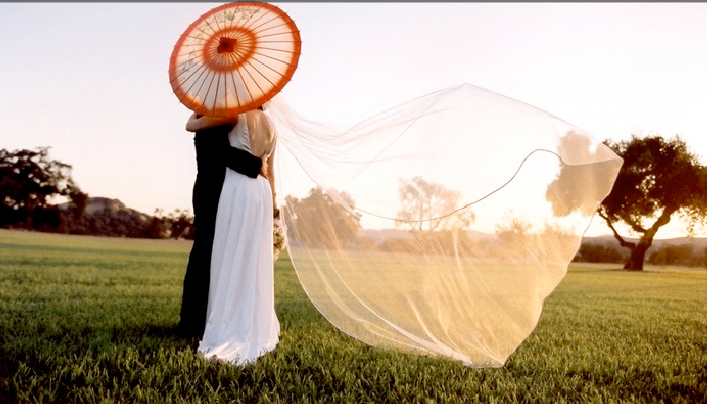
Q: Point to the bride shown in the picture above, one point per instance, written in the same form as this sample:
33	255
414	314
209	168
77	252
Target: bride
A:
241	324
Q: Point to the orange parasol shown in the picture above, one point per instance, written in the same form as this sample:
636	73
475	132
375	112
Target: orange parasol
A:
234	58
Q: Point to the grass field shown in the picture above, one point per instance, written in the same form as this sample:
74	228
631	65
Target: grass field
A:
91	320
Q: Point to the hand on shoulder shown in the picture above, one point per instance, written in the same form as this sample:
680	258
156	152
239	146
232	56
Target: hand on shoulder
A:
199	122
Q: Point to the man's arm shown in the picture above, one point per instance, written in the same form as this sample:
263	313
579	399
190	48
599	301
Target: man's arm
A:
241	161
198	122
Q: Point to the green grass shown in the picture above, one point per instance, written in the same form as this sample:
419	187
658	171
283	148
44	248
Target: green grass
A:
89	319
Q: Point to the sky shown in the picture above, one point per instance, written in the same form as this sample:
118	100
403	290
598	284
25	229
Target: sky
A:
90	80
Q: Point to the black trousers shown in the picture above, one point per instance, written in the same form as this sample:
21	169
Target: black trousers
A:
192	317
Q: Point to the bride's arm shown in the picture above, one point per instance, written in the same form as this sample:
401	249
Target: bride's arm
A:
271	175
198	122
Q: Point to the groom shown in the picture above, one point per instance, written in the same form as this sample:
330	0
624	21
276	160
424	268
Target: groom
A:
213	154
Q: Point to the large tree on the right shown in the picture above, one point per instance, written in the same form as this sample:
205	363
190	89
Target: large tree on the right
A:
660	179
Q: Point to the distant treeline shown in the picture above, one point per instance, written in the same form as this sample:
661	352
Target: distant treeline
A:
30	180
682	254
110	217
101	217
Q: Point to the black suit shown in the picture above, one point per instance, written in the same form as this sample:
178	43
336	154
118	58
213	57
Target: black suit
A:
213	155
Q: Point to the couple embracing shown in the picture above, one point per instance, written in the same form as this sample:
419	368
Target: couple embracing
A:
228	291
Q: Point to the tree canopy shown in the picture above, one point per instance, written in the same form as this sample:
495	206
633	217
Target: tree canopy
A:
28	178
427	206
660	179
310	210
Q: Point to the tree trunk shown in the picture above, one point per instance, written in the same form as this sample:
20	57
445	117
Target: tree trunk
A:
638	255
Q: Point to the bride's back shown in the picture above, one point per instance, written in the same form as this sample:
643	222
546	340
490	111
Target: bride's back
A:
262	133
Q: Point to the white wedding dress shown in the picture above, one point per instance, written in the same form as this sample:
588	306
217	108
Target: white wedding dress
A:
241	324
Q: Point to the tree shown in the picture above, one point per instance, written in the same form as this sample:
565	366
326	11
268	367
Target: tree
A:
28	178
319	220
434	216
659	178
427	206
181	225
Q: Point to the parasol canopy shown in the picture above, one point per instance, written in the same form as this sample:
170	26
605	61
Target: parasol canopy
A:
234	58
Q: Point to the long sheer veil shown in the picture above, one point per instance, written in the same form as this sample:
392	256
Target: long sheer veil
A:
439	226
